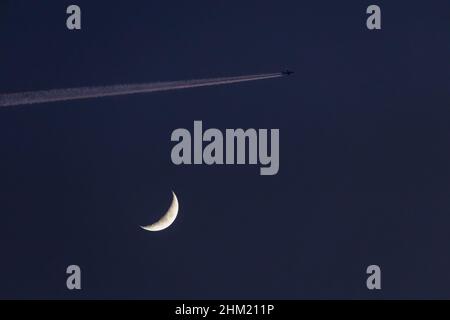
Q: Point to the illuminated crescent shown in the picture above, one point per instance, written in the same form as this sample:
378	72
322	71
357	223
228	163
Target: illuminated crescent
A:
166	219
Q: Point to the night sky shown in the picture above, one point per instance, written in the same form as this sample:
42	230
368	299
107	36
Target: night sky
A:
364	151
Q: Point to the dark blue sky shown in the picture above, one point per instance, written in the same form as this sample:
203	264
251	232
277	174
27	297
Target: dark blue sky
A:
364	161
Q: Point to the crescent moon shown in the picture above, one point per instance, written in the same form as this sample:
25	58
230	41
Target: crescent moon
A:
167	219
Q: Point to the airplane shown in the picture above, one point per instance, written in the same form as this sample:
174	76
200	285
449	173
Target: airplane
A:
287	72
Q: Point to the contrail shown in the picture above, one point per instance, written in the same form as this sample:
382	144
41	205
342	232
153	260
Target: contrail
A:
33	97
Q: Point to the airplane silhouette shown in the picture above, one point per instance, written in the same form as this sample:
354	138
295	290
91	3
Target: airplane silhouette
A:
287	72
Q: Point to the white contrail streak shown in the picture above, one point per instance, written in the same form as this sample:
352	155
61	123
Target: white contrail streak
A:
32	97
